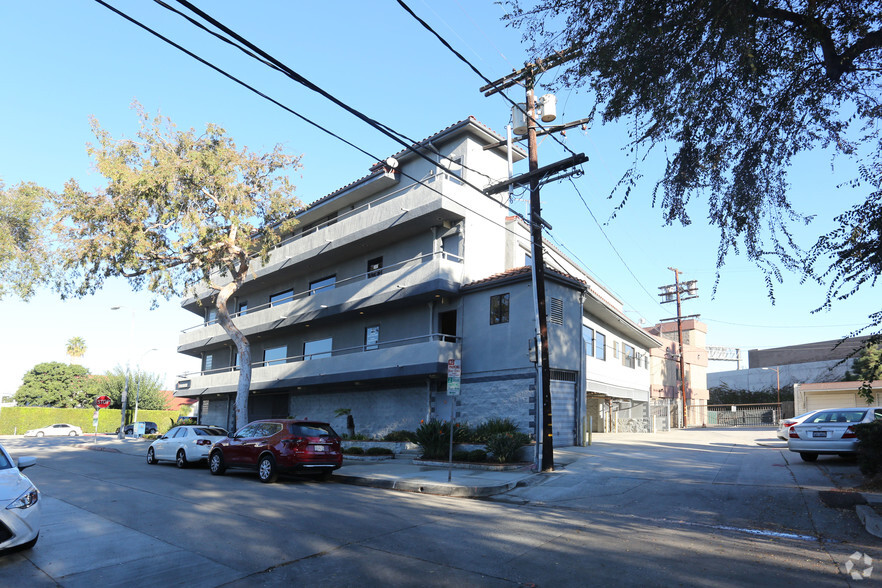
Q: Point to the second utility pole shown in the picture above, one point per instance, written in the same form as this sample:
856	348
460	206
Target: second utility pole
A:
539	276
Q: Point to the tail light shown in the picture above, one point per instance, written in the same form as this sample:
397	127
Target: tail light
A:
849	433
203	442
793	434
297	442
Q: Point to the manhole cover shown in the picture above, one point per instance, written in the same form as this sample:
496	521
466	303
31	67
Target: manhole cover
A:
835	499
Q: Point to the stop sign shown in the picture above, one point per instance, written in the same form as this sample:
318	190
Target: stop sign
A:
102	401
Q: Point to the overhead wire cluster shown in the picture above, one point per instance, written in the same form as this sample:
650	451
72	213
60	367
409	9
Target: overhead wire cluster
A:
232	38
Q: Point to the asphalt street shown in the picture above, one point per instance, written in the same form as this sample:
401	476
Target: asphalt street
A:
686	508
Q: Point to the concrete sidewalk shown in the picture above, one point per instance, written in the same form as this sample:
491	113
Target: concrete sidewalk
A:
393	474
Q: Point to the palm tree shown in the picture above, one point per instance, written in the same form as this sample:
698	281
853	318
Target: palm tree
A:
76	348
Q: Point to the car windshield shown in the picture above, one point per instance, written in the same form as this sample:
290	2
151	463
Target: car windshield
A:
313	430
838	416
210	432
5	464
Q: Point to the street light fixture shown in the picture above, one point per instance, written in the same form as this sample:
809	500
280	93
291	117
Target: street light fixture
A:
125	395
777	381
138	393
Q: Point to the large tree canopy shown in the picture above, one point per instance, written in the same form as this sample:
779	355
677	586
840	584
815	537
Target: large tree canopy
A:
56	384
733	90
24	250
146	387
181	211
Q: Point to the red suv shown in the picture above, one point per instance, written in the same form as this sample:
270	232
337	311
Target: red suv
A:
279	445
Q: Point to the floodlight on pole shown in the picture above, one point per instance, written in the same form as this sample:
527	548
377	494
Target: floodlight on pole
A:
125	395
138	393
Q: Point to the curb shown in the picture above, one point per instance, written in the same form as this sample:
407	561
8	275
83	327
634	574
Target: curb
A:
870	518
426	487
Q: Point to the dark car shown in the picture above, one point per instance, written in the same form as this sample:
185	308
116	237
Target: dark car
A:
150	428
279	445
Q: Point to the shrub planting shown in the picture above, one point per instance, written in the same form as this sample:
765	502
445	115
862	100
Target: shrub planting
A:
490	427
400	437
378	451
869	447
433	437
477	455
353	451
460	455
504	447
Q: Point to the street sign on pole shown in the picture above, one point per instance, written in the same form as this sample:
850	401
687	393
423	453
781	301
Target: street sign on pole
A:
454	373
102	402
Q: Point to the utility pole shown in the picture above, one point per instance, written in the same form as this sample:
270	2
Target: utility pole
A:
687	288
535	174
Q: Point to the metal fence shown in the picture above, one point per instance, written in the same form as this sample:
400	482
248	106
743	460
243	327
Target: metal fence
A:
742	415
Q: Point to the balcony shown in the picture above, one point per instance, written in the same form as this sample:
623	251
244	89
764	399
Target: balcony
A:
412	357
394	216
421	275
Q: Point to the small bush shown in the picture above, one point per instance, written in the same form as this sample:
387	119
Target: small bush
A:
378	451
353	451
477	455
504	446
356	437
400	437
869	447
490	427
460	455
433	437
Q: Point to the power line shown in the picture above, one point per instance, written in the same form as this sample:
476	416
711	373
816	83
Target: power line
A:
302	117
408	143
444	42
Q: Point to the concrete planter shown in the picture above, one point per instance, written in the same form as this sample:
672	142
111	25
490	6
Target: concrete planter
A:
395	446
464	465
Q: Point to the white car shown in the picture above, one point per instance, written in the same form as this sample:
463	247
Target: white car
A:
19	504
784	427
59	430
830	432
185	444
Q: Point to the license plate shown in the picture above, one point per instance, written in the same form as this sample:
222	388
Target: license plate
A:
819	433
319	448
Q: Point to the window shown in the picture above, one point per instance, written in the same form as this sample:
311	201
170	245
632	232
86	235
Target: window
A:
499	309
207	362
600	346
627	355
275	355
555	311
528	260
318	349
281	297
243	308
322	284
371	337
454	164
588	337
210	316
374	267
616	353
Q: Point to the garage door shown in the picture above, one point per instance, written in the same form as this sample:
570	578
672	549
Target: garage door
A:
563	413
817	400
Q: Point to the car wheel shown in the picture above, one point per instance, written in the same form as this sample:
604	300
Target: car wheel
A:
181	460
40	433
72	434
266	469
216	463
151	457
809	456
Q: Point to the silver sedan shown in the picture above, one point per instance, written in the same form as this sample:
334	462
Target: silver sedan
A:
185	444
830	432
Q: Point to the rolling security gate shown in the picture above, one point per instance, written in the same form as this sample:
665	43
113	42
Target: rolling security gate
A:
563	407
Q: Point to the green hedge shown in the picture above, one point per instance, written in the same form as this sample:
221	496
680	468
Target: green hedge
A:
18	419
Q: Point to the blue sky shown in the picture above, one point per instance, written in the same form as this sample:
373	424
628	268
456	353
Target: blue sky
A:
66	61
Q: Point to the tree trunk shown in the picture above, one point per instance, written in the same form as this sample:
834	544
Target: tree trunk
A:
242	346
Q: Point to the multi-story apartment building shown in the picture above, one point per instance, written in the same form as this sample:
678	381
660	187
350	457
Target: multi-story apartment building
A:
386	279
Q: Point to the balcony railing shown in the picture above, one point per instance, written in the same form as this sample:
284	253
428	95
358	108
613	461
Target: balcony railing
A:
368	348
369	275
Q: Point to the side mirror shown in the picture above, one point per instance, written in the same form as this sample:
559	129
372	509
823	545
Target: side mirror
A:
25	462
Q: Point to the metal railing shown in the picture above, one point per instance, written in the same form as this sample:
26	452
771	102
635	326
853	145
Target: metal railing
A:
366	348
368	275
